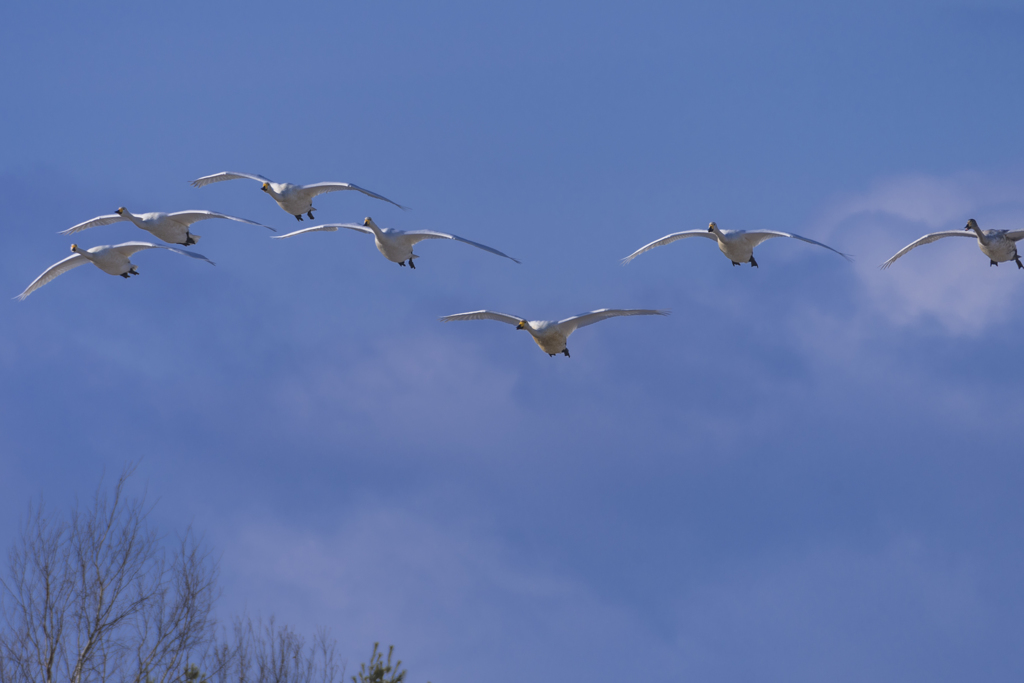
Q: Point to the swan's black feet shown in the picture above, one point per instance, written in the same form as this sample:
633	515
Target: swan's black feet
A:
401	263
310	214
189	241
298	216
566	352
1020	266
735	264
124	275
753	263
412	265
992	263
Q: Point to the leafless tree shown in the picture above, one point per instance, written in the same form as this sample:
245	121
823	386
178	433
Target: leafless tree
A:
98	596
258	652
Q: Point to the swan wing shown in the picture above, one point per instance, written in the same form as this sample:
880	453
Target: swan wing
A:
668	239
327	227
92	223
755	237
58	268
189	217
420	235
128	248
1015	235
320	188
926	240
585	319
218	177
484	315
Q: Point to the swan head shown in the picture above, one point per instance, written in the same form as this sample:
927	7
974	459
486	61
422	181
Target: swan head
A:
74	248
120	211
368	222
971	225
521	325
711	226
265	187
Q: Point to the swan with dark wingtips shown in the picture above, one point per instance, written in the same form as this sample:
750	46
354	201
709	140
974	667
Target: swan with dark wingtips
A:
113	260
551	336
737	245
172	228
293	199
999	245
396	245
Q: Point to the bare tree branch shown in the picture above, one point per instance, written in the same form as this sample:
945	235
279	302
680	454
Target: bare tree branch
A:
98	597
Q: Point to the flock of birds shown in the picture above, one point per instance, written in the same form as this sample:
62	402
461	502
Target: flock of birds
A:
1000	246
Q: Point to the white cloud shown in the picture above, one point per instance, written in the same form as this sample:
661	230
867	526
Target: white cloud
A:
949	282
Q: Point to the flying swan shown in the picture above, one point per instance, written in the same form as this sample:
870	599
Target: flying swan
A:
737	245
113	260
551	336
396	245
294	199
172	228
999	245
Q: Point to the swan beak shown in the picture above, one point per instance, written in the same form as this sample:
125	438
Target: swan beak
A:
520	326
264	188
120	211
74	247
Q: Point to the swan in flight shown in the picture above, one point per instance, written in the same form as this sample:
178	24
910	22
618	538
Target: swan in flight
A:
999	245
113	260
294	199
737	245
551	336
172	228
396	245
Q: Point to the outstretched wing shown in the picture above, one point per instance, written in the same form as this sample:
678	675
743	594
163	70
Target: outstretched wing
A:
99	220
755	237
420	235
484	315
320	188
328	227
129	248
926	240
58	268
668	239
1016	235
585	319
189	217
218	177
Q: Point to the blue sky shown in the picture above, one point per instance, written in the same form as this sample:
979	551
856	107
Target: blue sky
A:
809	471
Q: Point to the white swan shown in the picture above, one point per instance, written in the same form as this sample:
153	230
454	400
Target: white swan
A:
113	260
294	199
551	336
737	245
999	245
396	245
170	227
